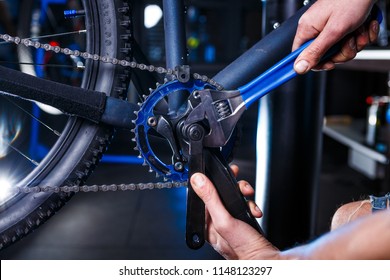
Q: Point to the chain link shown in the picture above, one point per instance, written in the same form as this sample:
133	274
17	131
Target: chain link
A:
124	63
103	188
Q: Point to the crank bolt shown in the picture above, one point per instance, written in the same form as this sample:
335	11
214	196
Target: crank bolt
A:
195	133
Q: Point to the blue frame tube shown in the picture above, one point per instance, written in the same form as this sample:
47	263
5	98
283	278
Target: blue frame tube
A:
175	42
262	56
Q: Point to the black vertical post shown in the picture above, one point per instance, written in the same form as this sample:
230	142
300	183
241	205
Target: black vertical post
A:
175	43
289	136
232	22
289	130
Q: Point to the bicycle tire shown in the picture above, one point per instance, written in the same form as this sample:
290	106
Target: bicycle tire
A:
82	143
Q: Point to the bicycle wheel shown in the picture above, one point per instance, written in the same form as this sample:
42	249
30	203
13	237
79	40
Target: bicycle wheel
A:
82	143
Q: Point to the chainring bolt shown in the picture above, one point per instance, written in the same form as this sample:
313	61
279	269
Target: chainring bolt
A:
152	121
179	166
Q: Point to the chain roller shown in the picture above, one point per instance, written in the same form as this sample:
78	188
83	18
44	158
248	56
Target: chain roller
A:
57	49
105	59
103	188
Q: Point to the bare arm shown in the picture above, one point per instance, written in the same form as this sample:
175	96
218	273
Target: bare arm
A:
366	238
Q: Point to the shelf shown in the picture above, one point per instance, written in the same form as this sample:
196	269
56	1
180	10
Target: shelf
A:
361	157
377	60
351	135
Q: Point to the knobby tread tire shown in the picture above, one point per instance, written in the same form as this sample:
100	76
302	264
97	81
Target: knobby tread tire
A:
76	153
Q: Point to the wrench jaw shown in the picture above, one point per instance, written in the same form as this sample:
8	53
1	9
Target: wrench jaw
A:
208	127
221	110
153	122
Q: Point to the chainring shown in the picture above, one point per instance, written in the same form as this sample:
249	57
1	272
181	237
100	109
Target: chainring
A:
176	170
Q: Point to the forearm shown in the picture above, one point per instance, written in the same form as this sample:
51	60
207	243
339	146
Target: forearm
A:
366	238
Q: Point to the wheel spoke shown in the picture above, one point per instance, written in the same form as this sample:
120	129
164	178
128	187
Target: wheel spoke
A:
57	133
22	154
78	67
83	31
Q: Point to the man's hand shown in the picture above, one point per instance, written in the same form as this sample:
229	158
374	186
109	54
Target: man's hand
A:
330	22
365	238
231	238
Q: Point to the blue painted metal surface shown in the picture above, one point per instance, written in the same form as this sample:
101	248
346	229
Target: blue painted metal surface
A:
277	75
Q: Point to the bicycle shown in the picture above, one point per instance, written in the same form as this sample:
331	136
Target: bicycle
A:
112	56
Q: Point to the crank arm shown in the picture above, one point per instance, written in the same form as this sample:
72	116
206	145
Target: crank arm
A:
219	172
212	163
195	220
88	104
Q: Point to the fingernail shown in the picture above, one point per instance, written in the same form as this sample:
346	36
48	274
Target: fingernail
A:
257	209
197	181
301	66
375	27
352	44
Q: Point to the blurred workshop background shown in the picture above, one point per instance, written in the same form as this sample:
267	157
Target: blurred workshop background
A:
315	143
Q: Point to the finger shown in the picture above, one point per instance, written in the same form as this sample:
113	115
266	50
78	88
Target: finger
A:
325	66
367	35
373	31
348	51
362	38
304	33
212	234
245	188
311	56
306	30
204	188
235	169
255	210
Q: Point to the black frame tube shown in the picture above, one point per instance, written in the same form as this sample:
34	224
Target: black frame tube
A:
264	54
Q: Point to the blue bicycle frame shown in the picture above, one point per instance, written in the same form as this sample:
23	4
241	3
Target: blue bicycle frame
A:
274	47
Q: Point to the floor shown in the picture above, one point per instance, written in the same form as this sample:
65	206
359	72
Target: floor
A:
119	225
151	224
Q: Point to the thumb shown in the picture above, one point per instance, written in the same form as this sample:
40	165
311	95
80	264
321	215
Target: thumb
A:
312	55
205	189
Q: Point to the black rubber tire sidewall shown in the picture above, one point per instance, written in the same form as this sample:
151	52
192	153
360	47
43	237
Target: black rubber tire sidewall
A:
82	143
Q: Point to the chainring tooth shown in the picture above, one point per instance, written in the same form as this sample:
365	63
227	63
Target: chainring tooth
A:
198	82
146	112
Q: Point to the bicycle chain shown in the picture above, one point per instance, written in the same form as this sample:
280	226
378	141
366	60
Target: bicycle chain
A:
105	59
103	188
